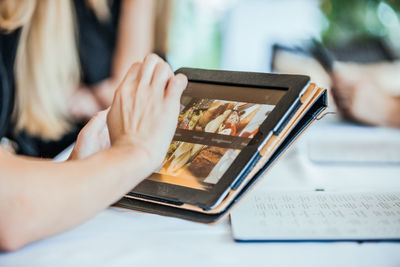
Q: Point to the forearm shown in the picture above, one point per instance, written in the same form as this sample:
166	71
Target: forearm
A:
39	198
135	35
135	39
44	198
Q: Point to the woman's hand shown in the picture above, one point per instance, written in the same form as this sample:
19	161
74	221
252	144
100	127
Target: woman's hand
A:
92	138
141	123
145	109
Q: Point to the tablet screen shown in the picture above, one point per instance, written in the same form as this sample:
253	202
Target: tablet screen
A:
215	123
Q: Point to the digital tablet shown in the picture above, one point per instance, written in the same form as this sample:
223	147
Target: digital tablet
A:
225	120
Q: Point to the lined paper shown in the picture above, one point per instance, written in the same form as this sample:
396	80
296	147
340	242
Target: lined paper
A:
317	216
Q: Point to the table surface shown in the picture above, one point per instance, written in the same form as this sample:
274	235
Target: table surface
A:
117	237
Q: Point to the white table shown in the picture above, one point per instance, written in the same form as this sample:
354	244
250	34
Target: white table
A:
117	237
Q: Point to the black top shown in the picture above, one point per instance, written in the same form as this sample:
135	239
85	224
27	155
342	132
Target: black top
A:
96	43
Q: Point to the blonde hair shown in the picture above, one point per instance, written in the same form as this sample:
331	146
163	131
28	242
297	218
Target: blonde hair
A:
47	66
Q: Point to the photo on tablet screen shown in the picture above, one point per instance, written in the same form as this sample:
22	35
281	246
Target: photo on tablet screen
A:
210	135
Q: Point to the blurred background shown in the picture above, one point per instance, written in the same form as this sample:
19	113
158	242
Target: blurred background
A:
240	34
274	36
350	47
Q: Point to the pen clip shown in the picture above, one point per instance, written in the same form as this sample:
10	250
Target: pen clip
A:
325	114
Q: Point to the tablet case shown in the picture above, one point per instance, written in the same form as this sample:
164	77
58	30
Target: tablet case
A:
144	206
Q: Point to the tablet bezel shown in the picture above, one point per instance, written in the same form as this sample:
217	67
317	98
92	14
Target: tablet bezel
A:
206	199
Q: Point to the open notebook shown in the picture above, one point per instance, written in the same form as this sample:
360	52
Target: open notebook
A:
317	216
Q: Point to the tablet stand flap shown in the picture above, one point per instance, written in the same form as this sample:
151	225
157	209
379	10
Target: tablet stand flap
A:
145	206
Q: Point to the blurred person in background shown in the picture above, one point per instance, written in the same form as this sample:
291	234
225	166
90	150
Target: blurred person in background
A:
61	61
363	39
368	93
366	87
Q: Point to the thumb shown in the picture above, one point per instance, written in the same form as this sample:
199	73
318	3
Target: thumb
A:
98	121
91	138
96	125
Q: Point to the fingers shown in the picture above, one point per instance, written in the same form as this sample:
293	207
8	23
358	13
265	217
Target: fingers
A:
149	64
127	83
132	73
175	87
148	86
156	73
162	74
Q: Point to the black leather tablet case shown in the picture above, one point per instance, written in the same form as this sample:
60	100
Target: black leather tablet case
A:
316	108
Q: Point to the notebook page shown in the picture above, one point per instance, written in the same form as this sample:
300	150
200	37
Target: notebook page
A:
317	216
